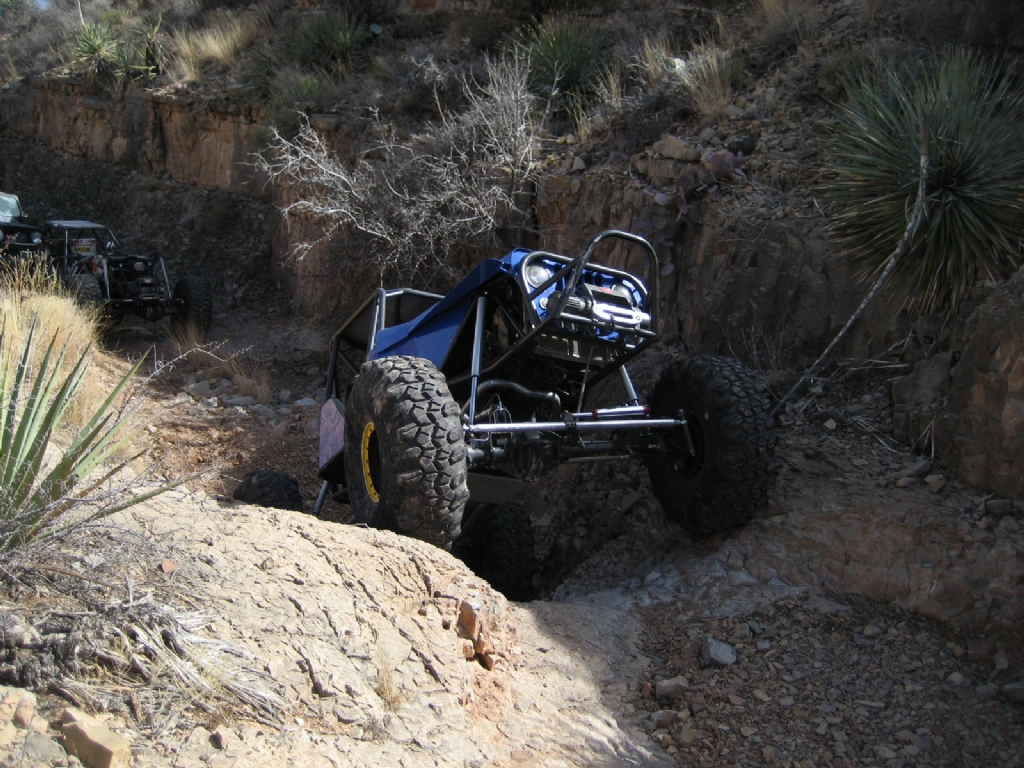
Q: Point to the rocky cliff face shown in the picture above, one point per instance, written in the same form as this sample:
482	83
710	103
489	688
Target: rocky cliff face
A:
979	431
767	293
188	140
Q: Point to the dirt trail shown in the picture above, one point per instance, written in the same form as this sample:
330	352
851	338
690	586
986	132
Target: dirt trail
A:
368	637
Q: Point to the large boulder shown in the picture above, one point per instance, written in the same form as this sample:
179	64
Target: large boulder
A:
978	434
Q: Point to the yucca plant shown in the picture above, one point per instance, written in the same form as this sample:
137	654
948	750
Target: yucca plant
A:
974	194
327	40
40	495
151	44
95	52
568	60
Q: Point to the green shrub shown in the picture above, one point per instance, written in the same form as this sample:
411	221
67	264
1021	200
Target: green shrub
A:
847	64
788	24
8	7
261	65
974	221
294	91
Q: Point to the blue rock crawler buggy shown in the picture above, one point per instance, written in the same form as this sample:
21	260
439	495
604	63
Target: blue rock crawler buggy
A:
467	396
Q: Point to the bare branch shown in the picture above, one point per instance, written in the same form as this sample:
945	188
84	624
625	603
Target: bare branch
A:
916	217
422	198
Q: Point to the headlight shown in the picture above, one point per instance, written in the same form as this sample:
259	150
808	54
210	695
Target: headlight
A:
36	238
537	274
140	266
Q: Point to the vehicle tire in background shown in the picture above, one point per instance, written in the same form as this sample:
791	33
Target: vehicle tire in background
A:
192	315
86	290
730	472
269	488
405	456
498	546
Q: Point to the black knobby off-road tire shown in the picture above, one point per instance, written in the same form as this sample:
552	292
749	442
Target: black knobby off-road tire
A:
729	478
268	488
86	290
405	455
499	548
195	313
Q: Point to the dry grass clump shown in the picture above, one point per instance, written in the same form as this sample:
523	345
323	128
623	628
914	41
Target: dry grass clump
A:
247	369
708	74
251	375
788	24
655	60
705	76
220	42
29	295
122	641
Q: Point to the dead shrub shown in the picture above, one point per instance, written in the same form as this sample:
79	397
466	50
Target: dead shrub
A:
424	199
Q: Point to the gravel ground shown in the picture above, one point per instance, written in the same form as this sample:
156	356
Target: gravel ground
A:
823	681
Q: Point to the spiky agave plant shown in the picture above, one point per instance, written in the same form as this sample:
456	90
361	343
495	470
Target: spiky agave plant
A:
974	214
568	59
38	494
94	51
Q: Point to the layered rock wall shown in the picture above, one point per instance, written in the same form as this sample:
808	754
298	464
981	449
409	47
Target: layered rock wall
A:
188	140
979	431
769	294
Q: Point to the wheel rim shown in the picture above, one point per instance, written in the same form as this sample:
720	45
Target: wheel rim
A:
371	461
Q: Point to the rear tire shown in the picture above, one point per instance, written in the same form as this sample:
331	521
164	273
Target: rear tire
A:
193	316
268	488
498	546
728	477
405	455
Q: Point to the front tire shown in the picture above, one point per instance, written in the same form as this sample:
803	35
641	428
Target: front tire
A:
405	455
193	312
728	476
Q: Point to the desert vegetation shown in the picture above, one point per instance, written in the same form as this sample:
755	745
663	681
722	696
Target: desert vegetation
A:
970	114
65	428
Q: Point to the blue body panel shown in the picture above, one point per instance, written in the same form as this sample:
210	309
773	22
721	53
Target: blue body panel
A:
431	334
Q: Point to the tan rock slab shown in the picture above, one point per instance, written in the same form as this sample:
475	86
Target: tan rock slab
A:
7	734
97	746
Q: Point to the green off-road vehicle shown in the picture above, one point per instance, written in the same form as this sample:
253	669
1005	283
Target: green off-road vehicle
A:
97	270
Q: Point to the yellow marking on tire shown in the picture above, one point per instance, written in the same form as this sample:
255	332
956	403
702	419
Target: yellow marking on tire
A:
371	489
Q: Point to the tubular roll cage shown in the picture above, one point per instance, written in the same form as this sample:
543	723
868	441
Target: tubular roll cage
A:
387	304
